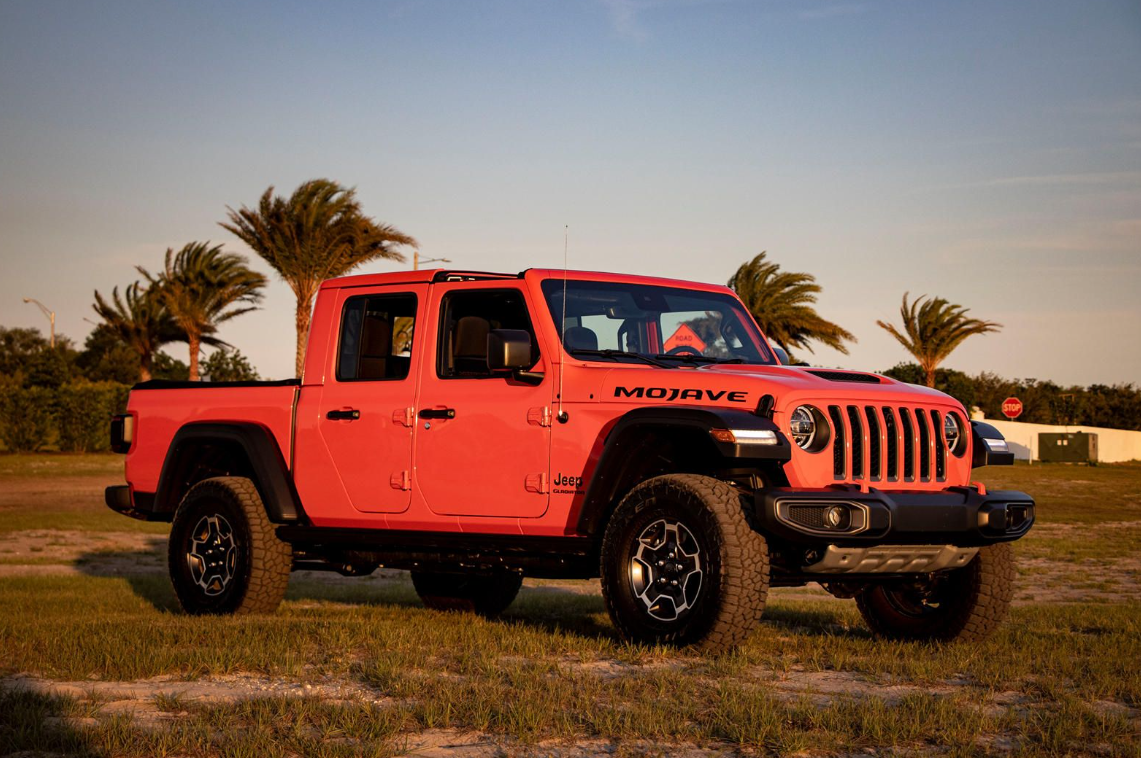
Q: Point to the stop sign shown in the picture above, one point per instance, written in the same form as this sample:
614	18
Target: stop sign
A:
1012	407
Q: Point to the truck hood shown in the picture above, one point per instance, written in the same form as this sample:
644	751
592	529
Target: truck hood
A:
742	386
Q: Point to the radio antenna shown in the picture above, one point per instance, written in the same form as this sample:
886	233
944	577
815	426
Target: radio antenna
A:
562	415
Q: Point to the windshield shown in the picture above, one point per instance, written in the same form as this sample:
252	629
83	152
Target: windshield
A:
666	324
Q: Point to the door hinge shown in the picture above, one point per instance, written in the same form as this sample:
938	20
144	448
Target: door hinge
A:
401	480
539	416
536	483
404	416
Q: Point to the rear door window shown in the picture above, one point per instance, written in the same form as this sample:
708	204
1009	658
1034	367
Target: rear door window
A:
376	338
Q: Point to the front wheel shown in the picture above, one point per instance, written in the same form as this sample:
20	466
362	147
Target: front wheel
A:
223	554
965	604
682	566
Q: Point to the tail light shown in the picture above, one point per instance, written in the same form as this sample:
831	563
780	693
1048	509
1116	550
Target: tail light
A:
122	432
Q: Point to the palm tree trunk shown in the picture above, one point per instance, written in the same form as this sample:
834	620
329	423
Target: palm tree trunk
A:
930	370
304	316
195	346
144	368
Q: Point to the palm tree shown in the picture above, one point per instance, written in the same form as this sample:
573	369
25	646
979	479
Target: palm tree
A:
319	232
784	306
141	320
202	287
932	328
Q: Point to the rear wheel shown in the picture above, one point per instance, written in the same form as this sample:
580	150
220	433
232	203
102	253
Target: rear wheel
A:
966	604
223	554
682	566
485	594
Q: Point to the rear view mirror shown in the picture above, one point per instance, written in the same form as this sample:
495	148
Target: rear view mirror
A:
782	356
508	350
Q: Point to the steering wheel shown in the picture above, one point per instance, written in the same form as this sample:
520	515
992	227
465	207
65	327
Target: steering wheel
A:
684	350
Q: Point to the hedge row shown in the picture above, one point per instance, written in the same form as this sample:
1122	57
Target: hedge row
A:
75	417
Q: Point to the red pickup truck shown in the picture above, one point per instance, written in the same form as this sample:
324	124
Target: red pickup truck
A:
476	428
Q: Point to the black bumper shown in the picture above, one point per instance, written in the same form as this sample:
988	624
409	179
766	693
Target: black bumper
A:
118	499
960	516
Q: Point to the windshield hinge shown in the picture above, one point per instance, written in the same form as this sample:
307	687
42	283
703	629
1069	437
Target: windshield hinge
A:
539	416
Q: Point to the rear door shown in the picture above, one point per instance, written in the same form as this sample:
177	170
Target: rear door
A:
367	403
482	440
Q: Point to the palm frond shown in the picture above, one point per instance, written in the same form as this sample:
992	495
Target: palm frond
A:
319	232
932	327
784	306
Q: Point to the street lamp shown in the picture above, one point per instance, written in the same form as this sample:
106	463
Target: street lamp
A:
416	260
47	312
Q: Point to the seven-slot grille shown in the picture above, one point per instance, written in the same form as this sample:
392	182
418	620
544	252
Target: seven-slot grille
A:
886	443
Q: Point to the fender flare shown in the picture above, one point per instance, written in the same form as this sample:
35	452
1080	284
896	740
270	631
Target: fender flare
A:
604	483
981	453
271	473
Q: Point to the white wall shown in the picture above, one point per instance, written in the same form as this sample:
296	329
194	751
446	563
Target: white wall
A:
1113	445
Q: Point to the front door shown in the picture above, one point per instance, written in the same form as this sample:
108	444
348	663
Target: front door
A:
482	438
367	404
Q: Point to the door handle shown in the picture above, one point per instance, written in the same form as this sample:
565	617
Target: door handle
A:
438	413
350	415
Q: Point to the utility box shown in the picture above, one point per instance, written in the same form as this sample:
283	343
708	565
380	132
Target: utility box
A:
1067	447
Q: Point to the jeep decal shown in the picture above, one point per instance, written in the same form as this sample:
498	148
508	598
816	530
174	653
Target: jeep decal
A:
669	394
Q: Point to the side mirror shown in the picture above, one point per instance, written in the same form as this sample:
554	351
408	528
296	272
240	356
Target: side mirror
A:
782	356
508	350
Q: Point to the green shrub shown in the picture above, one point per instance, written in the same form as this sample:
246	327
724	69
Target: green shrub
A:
26	417
83	415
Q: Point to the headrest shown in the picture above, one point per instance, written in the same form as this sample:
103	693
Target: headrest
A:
471	337
376	339
580	338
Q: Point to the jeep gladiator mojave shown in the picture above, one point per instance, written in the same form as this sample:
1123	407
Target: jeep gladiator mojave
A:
476	428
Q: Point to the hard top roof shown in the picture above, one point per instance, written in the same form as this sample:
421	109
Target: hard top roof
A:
425	276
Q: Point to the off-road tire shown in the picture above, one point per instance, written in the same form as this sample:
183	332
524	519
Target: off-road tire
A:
974	601
736	572
485	594
261	563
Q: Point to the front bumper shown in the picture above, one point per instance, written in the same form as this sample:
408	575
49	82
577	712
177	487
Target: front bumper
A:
960	516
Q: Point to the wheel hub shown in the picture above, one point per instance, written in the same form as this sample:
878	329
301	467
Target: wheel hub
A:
212	555
666	569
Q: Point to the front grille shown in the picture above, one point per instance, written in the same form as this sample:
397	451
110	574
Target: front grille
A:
887	443
924	445
874	446
940	448
908	445
839	440
857	430
890	431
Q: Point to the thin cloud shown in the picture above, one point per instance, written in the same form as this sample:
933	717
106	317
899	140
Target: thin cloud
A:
1089	179
1095	179
626	15
832	11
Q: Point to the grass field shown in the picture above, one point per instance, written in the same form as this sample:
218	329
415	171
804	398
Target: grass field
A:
96	659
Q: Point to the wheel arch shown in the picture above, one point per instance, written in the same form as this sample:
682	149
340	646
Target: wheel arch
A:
656	440
204	450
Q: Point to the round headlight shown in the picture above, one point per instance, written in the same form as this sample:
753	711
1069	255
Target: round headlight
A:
951	431
802	426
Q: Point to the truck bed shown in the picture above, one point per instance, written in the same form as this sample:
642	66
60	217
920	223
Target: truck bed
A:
161	408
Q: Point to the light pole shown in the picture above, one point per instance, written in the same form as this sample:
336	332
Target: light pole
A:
416	260
47	312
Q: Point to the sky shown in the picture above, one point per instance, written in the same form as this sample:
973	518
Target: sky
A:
986	152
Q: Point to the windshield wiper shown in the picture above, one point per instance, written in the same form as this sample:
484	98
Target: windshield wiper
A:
691	358
616	354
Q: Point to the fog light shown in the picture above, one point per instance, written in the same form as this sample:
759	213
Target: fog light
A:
836	516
